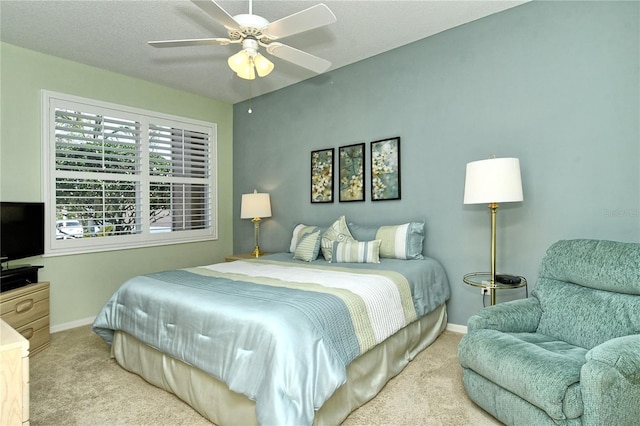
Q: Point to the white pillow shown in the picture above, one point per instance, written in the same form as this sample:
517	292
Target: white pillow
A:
338	231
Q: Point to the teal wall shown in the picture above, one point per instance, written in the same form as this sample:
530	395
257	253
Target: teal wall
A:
555	84
81	284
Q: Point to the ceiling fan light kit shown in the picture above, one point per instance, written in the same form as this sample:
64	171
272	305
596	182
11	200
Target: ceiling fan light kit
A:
243	62
254	31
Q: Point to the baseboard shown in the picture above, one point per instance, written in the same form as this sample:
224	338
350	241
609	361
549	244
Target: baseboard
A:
72	324
456	328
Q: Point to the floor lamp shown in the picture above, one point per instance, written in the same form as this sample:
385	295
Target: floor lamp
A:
493	181
255	206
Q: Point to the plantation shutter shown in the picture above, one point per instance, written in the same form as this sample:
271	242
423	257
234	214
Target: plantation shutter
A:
179	169
97	171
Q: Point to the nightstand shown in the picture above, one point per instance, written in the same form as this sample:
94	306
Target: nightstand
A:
483	280
242	256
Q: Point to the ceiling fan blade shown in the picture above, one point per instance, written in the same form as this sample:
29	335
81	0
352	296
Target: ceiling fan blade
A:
308	19
298	57
214	10
190	42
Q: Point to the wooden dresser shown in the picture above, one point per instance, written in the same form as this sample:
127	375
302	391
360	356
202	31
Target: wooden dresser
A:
26	309
14	377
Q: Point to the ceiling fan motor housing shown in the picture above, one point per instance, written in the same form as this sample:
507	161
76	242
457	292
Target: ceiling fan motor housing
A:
250	26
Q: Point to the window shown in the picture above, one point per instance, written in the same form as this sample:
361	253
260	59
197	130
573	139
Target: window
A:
118	177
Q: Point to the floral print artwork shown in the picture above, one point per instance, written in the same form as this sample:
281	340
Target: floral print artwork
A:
322	176
352	172
385	169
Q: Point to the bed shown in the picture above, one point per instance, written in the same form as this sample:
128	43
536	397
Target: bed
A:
276	340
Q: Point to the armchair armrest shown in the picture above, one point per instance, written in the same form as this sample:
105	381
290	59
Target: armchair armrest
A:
610	382
622	353
516	316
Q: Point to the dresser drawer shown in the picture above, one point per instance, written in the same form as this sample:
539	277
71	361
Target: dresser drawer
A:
24	309
37	333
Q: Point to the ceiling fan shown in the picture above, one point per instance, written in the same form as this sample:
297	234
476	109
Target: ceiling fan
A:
253	31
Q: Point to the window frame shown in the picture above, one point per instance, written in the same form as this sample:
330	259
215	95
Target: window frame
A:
53	247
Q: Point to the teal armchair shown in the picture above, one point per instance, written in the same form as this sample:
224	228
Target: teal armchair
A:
569	354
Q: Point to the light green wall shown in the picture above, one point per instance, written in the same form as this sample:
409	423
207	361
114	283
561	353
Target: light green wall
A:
556	84
80	284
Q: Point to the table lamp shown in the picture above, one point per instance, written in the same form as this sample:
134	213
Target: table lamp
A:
255	206
493	181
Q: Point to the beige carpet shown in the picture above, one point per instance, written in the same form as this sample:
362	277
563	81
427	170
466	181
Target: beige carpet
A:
75	382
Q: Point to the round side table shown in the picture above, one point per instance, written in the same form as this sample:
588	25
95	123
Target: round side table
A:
484	280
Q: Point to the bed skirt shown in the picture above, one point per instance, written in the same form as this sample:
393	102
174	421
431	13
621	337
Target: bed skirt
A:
366	375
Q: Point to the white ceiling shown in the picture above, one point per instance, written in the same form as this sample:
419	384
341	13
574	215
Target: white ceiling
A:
113	35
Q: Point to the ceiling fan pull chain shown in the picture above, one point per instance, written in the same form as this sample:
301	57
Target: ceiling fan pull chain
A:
250	110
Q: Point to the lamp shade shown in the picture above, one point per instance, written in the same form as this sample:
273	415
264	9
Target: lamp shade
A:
239	61
496	180
255	205
247	72
263	65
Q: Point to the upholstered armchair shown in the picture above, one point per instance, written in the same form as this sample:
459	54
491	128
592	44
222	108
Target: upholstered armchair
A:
569	354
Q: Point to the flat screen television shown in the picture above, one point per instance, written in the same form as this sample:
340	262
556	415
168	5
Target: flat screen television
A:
21	230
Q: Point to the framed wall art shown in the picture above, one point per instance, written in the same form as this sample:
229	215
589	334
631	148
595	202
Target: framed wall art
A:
385	169
351	172
322	176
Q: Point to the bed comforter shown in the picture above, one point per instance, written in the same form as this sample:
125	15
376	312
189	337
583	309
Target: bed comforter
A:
281	333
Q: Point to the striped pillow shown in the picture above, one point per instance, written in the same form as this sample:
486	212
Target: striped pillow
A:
308	247
300	231
398	241
356	252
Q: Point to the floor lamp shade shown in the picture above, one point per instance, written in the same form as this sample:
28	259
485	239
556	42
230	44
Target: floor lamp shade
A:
496	180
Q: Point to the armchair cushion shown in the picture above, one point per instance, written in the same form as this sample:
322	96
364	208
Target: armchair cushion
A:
538	368
583	316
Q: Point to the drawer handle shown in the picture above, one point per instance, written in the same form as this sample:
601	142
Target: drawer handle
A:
28	333
24	306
